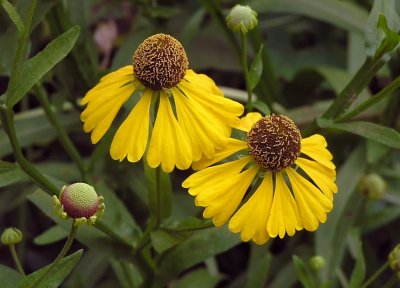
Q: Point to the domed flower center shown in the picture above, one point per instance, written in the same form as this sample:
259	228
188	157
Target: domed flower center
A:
160	62
274	142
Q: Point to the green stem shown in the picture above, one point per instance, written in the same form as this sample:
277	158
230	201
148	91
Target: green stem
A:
62	134
388	90
16	259
243	41
342	278
63	252
189	229
349	94
158	197
375	275
6	116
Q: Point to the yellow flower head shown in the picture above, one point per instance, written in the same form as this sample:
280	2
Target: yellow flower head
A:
192	118
294	186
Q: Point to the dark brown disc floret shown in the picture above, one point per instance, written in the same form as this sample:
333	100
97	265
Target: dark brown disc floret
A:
160	62
274	142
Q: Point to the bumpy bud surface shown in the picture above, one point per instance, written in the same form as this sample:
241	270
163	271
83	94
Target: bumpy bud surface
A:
394	260
79	200
11	236
242	19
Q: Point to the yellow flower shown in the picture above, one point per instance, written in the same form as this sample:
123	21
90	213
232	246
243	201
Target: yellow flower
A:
294	186
192	119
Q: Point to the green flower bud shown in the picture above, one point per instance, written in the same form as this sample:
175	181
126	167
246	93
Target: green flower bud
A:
394	260
80	202
11	236
317	263
242	19
373	186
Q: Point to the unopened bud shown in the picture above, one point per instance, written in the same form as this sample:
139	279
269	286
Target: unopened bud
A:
242	19
394	260
373	186
317	263
80	202
11	236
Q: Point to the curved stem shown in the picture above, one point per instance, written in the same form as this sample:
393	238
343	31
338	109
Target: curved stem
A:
375	275
62	134
16	259
63	252
6	116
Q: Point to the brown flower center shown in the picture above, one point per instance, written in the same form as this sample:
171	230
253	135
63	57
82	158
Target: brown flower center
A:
274	142
160	62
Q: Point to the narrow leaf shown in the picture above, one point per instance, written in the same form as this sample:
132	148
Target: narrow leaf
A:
36	67
10	173
13	14
372	131
255	70
56	277
9	278
51	235
358	275
302	272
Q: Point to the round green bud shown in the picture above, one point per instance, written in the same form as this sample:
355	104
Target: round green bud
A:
317	263
394	259
79	200
373	186
11	236
242	19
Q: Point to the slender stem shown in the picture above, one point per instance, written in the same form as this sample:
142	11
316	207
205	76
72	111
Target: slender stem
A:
158	197
390	88
63	252
6	116
375	275
62	134
243	41
16	259
189	229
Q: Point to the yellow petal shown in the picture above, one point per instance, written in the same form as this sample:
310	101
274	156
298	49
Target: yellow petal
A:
222	200
211	176
231	148
169	145
108	83
131	137
204	136
251	219
284	216
204	81
314	147
222	111
100	120
248	121
312	203
320	174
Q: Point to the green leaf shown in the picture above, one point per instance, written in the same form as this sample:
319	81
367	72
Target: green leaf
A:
376	151
343	14
379	217
302	272
199	247
10	173
257	271
358	275
160	193
57	275
13	14
163	240
36	67
256	69
382	25
199	278
261	106
372	131
9	277
52	235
